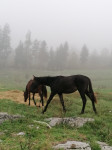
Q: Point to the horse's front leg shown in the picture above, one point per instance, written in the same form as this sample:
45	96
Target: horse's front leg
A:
49	100
34	99
41	99
62	101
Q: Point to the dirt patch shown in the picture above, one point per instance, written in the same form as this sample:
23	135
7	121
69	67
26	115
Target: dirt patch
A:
17	96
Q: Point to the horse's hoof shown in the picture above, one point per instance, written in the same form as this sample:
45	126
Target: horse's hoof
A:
64	111
81	113
96	112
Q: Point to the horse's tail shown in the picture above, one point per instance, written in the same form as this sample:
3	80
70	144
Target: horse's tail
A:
91	91
44	90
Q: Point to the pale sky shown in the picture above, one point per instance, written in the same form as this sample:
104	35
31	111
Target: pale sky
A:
56	21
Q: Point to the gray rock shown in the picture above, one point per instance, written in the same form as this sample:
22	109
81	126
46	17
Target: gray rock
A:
104	146
54	121
70	145
72	121
5	116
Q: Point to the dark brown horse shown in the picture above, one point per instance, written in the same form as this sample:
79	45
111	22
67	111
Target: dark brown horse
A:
40	89
69	84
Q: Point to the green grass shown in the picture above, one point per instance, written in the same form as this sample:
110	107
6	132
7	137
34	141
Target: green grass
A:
44	138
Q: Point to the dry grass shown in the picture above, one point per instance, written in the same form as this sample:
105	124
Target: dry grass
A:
17	96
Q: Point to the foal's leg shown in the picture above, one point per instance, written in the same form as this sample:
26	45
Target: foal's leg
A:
91	96
29	98
49	100
82	94
62	102
34	99
41	98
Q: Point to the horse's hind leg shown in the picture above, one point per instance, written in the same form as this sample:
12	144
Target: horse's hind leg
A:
34	99
62	102
83	100
91	96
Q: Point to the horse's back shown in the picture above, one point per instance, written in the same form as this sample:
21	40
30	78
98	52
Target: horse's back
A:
81	79
69	84
64	84
29	85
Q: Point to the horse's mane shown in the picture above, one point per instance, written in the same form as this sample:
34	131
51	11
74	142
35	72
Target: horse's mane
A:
48	79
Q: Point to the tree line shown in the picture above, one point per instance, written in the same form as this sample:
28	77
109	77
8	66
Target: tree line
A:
36	54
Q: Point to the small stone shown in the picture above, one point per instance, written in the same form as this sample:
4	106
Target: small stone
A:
1	133
31	126
21	133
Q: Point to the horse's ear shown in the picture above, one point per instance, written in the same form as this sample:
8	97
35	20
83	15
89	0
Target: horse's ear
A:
33	77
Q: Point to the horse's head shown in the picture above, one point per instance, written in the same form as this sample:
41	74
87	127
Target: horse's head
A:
25	96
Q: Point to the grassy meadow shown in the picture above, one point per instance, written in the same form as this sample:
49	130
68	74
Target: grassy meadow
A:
39	137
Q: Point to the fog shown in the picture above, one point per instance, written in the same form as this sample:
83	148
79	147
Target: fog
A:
76	31
56	21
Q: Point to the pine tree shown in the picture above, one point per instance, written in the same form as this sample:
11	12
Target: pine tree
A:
43	56
51	63
19	56
35	52
5	47
84	55
28	50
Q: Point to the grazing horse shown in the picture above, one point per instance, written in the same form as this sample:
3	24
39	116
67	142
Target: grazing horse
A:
67	84
41	89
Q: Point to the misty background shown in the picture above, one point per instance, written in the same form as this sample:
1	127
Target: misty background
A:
56	34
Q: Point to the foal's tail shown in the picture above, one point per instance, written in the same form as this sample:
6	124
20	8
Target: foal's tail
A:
44	90
91	91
